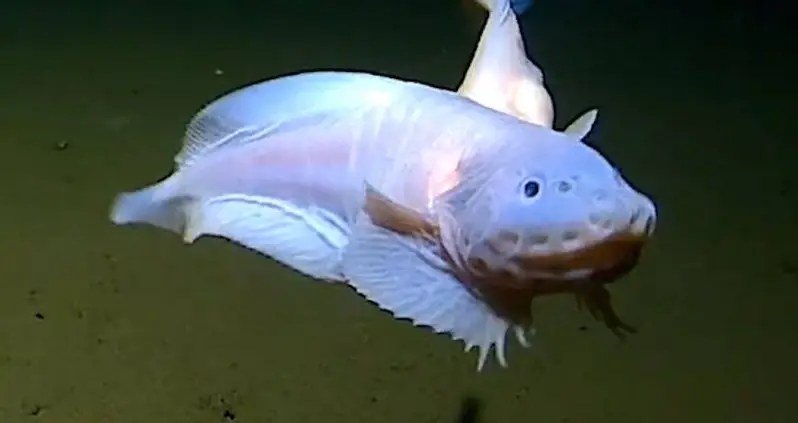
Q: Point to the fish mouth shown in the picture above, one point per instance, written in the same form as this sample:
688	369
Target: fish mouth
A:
611	254
508	289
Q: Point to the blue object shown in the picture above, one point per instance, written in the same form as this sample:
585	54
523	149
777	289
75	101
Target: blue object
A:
521	6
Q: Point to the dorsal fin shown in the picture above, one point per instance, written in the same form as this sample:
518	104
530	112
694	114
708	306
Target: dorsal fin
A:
581	126
256	111
207	132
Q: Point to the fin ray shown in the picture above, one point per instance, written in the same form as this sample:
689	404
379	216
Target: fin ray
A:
403	276
309	240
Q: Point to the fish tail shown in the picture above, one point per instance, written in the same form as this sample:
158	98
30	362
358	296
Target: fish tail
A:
145	206
518	7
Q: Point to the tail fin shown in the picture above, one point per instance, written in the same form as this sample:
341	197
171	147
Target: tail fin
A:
143	207
519	6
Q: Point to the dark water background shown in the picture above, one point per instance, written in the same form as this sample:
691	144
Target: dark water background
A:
107	324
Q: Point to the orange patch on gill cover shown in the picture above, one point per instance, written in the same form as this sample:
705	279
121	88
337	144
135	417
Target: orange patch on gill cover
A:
396	218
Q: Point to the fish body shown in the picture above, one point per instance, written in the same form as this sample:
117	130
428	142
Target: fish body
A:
502	77
275	166
438	209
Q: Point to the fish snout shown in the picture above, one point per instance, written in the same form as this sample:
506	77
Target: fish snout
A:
582	219
649	213
572	221
574	228
631	214
605	236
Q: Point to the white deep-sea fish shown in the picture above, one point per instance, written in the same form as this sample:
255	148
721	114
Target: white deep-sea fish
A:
502	77
438	209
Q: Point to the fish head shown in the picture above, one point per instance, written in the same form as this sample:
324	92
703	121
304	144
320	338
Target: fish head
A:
544	213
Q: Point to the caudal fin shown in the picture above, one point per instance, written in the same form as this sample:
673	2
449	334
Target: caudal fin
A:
143	207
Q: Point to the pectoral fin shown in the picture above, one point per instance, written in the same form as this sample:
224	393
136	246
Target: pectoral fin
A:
392	262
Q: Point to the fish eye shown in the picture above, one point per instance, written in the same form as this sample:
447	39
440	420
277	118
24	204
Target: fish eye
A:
531	189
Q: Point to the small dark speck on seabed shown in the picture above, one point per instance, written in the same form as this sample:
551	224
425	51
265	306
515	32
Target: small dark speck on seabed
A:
33	409
221	404
470	409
